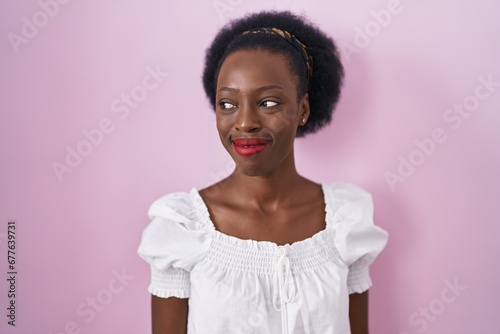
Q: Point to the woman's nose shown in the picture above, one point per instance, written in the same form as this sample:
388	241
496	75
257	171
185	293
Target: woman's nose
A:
247	119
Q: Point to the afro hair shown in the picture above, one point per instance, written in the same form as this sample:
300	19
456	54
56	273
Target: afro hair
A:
323	86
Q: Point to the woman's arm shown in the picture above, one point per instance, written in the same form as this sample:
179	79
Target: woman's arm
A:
169	315
358	312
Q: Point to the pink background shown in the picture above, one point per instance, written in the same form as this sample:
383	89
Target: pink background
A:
76	232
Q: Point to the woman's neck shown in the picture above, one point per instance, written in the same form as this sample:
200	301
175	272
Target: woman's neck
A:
265	192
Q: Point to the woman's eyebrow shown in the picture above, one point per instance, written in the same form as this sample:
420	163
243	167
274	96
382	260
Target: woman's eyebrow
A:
258	90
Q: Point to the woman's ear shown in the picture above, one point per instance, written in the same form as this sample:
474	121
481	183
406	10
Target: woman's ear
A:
304	110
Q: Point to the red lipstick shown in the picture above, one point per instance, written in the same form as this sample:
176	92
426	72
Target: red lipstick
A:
250	146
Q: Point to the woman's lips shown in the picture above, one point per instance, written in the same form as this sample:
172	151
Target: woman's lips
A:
249	146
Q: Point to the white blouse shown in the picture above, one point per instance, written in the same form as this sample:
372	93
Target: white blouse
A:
246	286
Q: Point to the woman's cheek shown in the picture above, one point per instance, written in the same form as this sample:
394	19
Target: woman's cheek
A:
223	123
284	122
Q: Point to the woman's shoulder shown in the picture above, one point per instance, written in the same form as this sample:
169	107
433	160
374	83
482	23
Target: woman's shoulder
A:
341	192
181	207
178	200
175	236
356	234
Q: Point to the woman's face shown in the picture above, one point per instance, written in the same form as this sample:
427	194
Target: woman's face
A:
257	110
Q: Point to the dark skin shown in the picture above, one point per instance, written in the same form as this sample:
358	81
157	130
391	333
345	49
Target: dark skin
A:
264	199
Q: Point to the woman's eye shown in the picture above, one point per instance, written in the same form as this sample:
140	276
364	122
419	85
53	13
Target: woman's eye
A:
268	103
226	105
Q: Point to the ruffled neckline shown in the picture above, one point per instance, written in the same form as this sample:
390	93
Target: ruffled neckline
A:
203	214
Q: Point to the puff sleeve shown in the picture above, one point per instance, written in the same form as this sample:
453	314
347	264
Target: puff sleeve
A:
172	243
358	240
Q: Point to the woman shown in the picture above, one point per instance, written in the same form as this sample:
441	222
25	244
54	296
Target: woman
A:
265	250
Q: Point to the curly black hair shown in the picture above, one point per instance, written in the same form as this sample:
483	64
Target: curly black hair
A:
327	74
